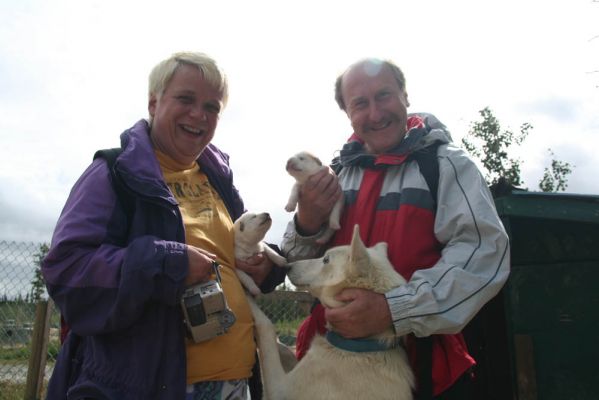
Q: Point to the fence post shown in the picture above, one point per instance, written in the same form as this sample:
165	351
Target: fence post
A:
39	351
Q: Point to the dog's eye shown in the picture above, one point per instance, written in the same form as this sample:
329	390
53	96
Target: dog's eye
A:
325	260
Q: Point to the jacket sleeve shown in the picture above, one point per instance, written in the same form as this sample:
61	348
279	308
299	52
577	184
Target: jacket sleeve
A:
295	246
98	285
474	263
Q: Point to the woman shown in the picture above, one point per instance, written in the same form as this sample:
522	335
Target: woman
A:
118	275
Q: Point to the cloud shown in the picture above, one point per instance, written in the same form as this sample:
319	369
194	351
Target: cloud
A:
27	212
559	109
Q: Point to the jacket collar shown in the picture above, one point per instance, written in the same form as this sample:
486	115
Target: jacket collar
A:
423	131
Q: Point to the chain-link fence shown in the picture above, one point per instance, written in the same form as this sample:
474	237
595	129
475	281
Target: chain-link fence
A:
20	292
21	298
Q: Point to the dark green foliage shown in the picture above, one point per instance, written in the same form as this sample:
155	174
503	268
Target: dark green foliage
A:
490	144
38	286
487	142
555	180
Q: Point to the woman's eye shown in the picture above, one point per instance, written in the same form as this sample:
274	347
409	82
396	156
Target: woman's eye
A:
213	108
185	99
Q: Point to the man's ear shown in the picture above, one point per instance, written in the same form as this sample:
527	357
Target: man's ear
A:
407	101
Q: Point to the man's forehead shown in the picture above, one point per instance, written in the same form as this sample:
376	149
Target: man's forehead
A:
366	73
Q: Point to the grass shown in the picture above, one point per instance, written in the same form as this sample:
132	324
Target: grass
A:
11	391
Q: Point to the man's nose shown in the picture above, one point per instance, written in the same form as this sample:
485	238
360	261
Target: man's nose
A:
374	111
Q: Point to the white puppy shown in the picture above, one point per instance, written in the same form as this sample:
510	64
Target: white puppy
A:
250	230
301	166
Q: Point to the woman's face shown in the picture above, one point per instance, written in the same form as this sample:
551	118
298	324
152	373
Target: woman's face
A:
185	115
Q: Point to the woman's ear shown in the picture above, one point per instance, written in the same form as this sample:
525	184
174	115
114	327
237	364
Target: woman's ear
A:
152	105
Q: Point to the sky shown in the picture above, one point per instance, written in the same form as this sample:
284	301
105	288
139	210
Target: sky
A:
73	76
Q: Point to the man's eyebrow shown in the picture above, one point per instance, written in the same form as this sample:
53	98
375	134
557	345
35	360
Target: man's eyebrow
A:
356	99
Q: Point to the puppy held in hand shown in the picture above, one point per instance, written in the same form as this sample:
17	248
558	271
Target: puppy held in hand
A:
250	230
301	166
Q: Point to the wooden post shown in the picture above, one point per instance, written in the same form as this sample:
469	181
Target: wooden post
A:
525	367
39	351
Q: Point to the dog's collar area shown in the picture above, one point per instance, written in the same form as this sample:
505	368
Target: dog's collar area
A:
357	345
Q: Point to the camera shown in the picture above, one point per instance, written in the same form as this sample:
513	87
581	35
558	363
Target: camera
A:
205	310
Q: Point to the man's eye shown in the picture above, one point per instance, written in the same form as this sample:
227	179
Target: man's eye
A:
359	105
383	95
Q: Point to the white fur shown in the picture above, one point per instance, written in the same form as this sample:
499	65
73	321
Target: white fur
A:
327	372
250	230
301	166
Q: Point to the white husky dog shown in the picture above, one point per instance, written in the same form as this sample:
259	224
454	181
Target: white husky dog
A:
301	166
334	368
250	230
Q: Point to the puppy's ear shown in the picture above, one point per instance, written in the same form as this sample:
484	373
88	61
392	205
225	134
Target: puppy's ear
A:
359	259
241	226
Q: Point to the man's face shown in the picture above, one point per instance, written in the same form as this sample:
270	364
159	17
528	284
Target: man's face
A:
185	116
376	107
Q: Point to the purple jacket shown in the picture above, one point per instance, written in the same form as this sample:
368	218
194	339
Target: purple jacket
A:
118	284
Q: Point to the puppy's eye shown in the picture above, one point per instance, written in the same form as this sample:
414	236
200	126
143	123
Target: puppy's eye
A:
325	260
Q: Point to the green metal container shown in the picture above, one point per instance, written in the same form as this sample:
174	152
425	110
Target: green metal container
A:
544	326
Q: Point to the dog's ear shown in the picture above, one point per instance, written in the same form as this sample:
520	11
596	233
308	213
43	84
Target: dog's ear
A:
381	247
241	226
359	258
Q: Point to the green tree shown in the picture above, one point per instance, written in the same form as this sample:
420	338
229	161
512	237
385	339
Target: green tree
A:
490	144
38	285
556	179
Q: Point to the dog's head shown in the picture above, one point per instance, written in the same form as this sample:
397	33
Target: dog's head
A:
302	165
252	227
346	266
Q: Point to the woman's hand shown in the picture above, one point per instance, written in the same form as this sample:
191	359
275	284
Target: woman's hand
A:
200	265
257	266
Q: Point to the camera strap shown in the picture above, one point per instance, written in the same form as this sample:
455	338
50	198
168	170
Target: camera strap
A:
216	268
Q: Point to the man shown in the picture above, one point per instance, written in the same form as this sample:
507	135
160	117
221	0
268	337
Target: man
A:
449	245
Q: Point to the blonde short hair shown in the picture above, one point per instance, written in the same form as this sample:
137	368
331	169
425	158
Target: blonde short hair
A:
163	72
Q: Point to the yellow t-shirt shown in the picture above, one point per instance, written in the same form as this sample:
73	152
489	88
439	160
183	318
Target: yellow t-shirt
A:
209	226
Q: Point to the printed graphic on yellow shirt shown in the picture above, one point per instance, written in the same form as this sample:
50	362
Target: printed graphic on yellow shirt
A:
208	226
188	192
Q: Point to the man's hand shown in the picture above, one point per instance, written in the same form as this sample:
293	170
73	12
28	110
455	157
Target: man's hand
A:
200	265
365	314
257	266
317	197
